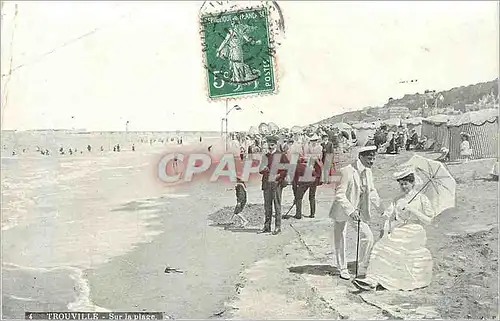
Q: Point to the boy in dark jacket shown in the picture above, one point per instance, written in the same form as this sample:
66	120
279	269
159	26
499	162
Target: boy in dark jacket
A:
241	201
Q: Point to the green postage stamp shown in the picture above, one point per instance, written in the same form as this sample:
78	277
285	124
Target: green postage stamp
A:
238	53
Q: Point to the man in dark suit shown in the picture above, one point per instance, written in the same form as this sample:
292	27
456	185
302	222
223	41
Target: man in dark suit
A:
328	149
273	182
413	141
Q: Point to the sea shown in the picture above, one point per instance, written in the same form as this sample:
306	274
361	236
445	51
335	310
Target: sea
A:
53	140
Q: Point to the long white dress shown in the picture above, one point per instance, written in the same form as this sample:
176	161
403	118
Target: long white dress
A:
465	149
400	260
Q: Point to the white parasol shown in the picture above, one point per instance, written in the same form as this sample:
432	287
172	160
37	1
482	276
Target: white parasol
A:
438	184
264	129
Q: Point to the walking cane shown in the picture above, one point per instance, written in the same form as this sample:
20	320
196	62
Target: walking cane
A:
290	209
357	248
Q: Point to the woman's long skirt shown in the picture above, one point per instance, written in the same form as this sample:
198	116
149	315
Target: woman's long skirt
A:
400	260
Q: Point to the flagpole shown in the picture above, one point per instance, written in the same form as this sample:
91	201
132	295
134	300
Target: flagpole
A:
225	138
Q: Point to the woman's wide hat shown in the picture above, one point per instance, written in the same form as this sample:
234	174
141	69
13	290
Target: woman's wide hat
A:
403	171
314	138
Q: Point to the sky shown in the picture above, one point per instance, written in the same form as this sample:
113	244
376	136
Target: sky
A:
144	63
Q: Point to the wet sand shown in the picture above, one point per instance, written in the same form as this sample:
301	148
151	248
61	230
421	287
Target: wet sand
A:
210	258
103	229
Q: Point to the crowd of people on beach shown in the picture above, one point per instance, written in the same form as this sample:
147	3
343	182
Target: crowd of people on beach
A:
354	197
387	139
400	259
290	141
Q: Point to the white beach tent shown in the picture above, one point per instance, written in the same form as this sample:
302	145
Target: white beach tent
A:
392	121
364	131
482	126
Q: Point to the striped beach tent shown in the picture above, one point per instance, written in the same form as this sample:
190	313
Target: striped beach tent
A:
414	123
434	128
482	126
442	137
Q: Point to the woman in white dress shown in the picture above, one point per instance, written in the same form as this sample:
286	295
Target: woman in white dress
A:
400	260
465	149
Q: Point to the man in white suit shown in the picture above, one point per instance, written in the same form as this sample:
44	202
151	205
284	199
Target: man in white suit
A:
353	198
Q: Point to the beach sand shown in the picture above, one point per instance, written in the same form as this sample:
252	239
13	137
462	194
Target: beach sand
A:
210	258
102	230
463	242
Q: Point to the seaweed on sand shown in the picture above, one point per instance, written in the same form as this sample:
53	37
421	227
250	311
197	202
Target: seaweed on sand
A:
254	213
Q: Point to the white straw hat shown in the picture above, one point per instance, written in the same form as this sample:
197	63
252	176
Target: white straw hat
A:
405	170
367	148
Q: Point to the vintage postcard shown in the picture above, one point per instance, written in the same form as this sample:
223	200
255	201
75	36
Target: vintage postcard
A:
249	160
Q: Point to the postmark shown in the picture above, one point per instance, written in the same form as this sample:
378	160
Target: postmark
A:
239	51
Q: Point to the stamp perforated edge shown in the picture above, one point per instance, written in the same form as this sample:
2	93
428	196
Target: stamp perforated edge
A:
204	58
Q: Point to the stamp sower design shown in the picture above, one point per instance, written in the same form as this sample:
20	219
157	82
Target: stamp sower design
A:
237	53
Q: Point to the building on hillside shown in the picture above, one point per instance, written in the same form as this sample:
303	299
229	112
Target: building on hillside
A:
486	102
398	111
442	111
378	112
476	106
416	112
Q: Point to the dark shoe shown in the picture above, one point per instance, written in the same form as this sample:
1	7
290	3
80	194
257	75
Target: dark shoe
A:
264	231
363	285
277	231
311	216
313	208
298	217
285	217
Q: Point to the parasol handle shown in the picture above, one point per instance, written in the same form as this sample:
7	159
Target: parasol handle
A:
425	185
